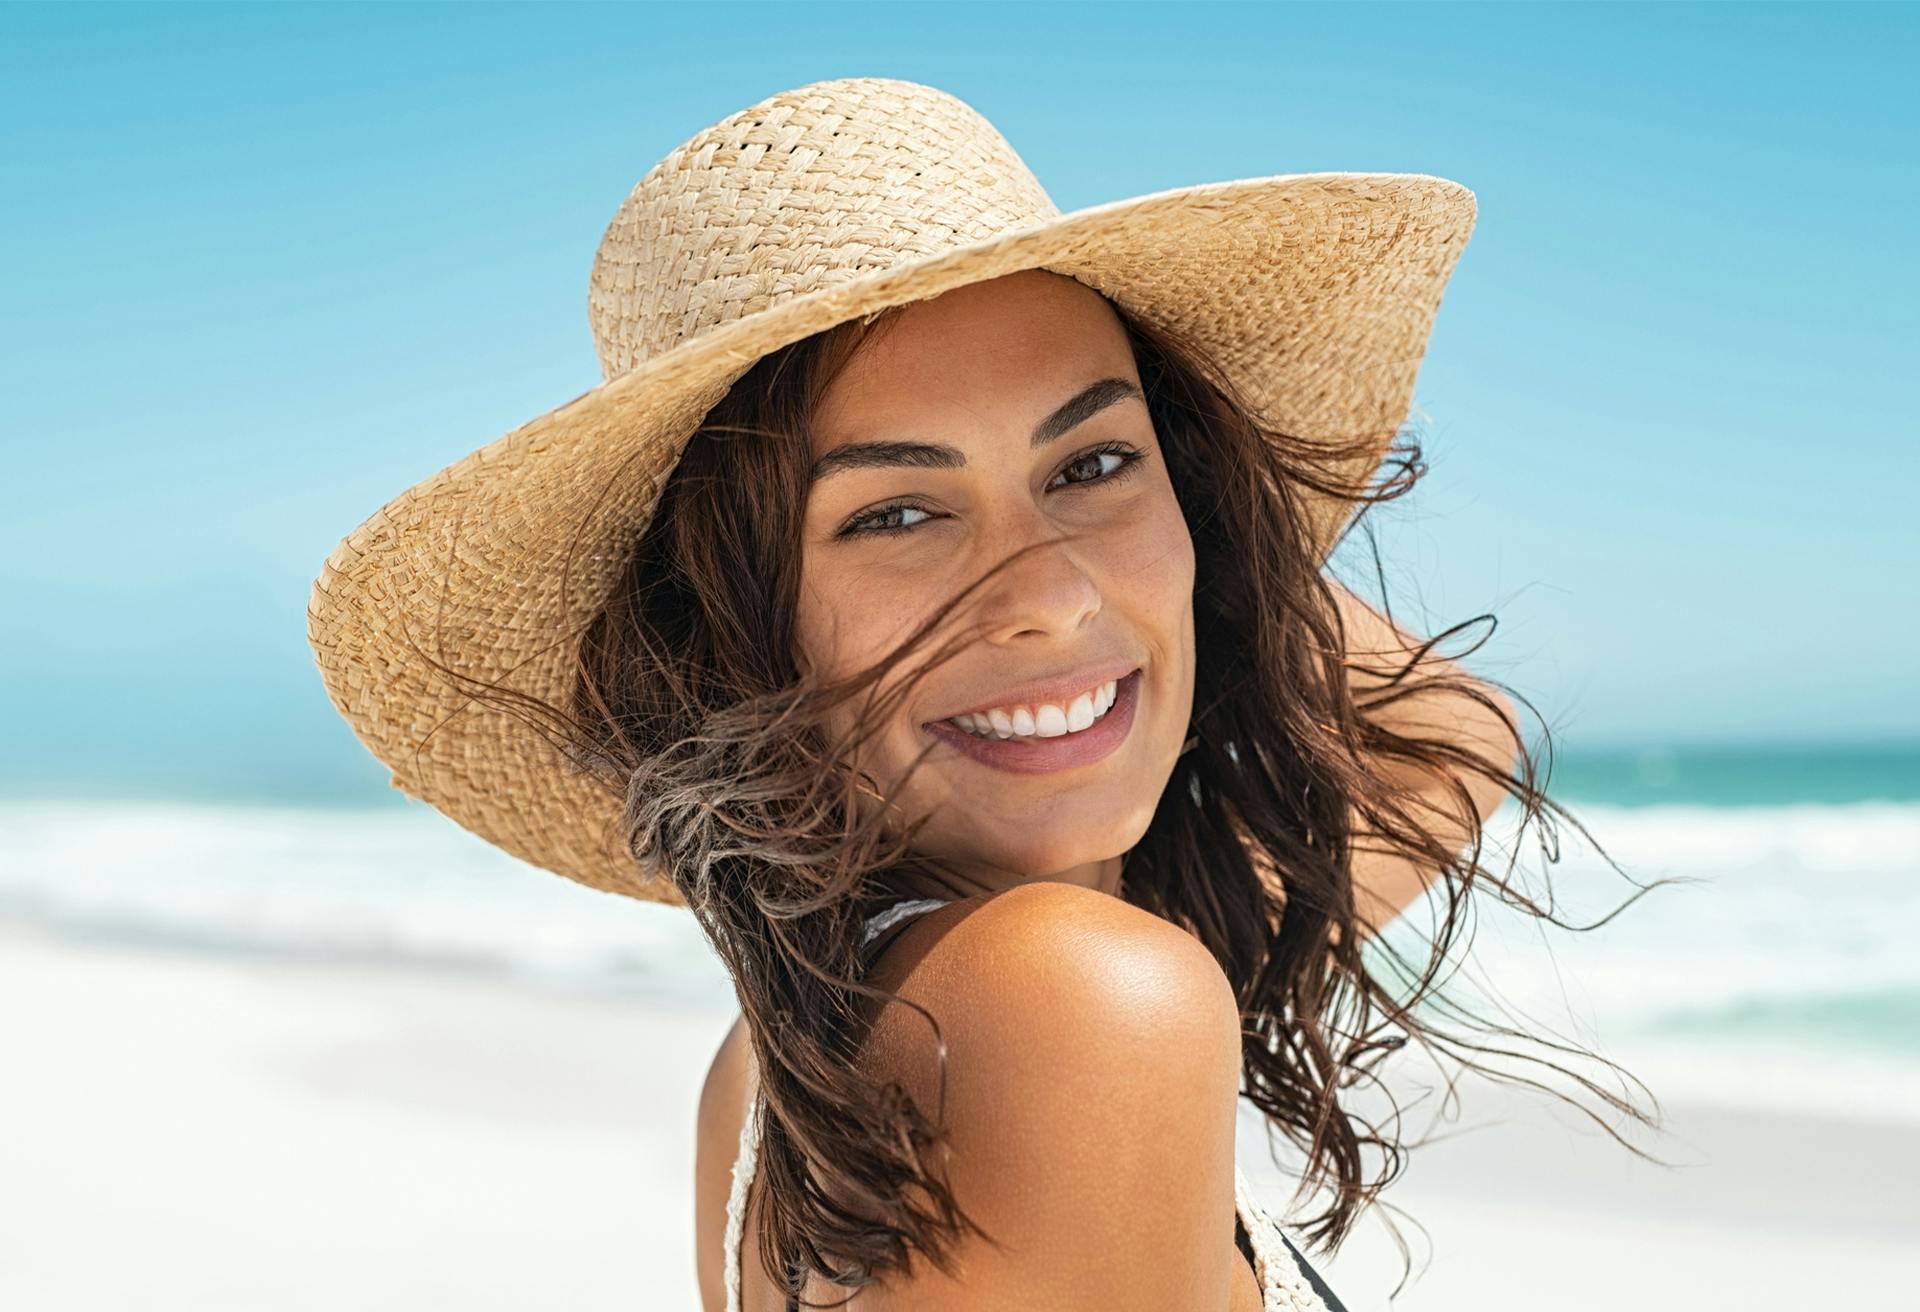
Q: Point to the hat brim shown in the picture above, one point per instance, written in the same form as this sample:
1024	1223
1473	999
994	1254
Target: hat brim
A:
1315	292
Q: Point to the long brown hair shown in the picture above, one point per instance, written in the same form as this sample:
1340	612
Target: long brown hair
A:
691	705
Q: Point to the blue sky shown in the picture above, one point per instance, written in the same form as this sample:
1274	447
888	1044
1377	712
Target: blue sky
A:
266	266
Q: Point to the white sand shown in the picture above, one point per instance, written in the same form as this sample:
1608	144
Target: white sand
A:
181	1131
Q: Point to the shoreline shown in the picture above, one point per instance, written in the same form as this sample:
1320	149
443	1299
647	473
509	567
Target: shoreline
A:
244	1132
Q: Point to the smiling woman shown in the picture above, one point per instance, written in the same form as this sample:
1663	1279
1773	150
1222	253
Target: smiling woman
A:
966	560
923	512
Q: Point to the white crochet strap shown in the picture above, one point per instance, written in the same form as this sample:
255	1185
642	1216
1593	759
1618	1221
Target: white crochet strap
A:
1283	1286
743	1164
881	920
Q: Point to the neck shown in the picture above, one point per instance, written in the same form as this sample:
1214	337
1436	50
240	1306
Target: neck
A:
952	881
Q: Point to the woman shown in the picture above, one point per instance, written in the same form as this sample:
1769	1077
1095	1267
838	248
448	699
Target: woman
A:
931	601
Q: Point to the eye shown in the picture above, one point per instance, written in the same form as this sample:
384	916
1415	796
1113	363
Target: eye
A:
1128	457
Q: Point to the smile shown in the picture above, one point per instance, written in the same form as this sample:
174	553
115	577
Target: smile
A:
1050	737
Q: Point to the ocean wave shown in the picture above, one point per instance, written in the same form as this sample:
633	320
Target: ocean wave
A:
1794	954
392	884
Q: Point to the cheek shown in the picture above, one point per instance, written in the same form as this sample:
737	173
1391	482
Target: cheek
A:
1151	558
843	623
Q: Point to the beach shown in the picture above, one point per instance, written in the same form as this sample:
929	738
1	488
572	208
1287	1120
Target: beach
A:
357	353
220	1129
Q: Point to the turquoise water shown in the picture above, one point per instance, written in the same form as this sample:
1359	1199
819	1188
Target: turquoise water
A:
1760	774
1875	1020
1733	775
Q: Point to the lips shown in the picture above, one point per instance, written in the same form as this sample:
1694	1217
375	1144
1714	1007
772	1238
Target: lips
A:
1058	690
1047	720
1033	755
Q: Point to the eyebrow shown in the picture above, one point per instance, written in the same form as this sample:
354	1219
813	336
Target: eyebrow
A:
1082	406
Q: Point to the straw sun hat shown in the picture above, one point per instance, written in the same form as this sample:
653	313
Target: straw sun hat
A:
1315	292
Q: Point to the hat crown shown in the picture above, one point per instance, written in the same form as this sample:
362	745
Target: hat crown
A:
808	189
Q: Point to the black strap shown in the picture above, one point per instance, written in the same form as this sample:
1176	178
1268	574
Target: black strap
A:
1313	1278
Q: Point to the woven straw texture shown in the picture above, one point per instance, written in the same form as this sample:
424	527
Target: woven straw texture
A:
1316	292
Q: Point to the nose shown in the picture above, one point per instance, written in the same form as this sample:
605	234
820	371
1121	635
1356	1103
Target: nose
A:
1047	592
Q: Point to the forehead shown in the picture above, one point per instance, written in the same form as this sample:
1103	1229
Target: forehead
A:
1002	348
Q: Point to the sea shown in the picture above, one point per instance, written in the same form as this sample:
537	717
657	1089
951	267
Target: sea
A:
1783	973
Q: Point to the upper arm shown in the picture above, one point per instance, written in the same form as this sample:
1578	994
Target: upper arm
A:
1385	881
716	1137
1092	1085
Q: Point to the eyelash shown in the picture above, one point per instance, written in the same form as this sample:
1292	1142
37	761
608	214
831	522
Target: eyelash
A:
1130	462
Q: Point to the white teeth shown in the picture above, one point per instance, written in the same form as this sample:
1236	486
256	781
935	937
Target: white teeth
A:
1080	714
1045	721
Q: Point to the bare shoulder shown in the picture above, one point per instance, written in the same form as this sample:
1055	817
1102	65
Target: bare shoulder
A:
1093	1067
1105	943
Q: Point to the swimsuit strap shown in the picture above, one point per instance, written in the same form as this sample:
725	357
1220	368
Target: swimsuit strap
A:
882	920
743	1165
1287	1283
